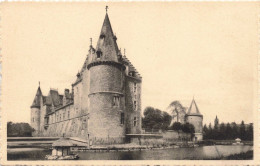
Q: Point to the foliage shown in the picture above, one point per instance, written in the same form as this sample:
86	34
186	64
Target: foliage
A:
229	131
175	108
186	128
155	119
19	130
176	126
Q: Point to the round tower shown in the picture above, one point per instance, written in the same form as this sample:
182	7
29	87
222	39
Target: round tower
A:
195	118
106	99
35	111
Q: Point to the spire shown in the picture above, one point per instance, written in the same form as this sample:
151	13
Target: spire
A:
193	110
106	8
107	49
37	98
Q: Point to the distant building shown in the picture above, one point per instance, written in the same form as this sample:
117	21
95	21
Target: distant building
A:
195	118
192	116
104	104
216	121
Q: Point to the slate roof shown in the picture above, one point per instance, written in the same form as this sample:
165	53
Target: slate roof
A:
62	142
37	98
193	110
67	142
106	44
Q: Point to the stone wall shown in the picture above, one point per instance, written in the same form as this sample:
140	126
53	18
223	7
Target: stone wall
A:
106	78
133	105
172	136
35	119
106	104
105	119
74	127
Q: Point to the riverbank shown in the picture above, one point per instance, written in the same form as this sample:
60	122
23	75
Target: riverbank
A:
223	142
218	152
239	156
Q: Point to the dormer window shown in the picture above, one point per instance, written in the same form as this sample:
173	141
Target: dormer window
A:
115	38
102	36
132	73
99	54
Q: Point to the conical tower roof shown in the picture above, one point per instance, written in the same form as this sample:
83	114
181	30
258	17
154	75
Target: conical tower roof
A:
106	49
193	110
37	98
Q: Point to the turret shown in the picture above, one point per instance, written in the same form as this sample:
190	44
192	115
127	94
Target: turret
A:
35	110
106	88
195	118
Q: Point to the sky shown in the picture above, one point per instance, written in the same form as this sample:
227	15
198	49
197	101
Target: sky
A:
205	50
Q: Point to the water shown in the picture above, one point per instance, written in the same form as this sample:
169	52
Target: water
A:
199	153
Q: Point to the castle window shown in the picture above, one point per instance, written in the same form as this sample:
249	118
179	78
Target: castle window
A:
135	87
135	121
102	36
63	115
122	118
99	54
135	106
116	101
60	117
68	114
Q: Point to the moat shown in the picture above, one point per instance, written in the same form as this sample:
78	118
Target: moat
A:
198	153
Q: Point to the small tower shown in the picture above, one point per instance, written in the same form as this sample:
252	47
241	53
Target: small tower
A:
35	111
195	118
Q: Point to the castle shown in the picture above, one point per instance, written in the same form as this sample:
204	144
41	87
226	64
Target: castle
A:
104	105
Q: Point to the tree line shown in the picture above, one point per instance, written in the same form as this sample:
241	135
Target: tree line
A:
19	130
228	131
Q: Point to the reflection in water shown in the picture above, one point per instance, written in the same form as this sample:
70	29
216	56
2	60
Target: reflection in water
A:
205	152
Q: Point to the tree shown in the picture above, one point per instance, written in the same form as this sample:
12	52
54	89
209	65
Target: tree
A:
19	130
177	126
221	134
188	128
176	107
250	133
205	132
166	120
210	132
228	131
155	119
235	132
242	131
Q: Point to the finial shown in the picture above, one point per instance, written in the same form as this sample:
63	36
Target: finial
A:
124	51
90	41
106	8
39	83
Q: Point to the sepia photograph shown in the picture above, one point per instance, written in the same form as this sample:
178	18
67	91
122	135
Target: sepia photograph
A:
129	81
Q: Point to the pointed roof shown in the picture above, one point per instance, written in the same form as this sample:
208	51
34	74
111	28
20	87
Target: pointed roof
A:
106	49
193	110
37	98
